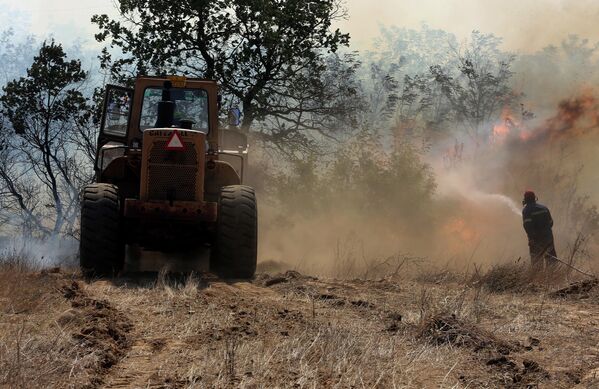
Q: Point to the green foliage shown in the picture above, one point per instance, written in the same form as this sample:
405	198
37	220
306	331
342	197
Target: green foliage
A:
480	87
33	104
40	167
427	85
363	177
270	56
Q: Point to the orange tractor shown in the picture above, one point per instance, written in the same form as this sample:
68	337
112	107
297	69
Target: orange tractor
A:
168	179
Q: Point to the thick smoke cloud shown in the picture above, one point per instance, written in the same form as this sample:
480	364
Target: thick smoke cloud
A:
526	26
546	143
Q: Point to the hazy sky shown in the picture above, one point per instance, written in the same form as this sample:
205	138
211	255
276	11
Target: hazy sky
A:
524	24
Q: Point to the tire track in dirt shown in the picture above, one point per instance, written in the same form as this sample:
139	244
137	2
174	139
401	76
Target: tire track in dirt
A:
301	330
179	331
140	367
167	327
136	366
155	341
103	330
136	369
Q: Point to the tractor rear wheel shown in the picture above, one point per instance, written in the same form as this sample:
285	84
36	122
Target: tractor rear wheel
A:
235	251
101	248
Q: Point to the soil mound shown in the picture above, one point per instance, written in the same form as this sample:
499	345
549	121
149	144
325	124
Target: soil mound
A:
101	328
443	329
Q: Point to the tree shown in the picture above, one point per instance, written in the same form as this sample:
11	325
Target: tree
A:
270	56
405	88
15	55
41	169
479	88
557	71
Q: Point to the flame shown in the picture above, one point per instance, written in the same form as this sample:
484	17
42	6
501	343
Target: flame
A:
461	232
574	117
505	128
501	130
525	135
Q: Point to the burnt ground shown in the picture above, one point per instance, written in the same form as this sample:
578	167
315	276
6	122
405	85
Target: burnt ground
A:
290	330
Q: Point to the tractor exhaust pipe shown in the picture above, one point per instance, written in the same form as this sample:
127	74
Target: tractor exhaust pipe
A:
166	108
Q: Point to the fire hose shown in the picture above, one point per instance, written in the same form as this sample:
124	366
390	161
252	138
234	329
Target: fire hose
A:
572	267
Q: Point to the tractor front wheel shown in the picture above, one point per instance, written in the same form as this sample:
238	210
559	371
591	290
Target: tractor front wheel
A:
235	252
101	247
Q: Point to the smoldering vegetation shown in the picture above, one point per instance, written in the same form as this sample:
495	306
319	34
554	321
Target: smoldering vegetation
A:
405	190
436	167
412	154
31	254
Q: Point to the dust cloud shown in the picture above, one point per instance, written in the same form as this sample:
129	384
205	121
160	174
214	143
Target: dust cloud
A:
473	217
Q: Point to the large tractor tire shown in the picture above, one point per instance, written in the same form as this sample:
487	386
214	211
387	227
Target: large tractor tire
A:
102	247
235	251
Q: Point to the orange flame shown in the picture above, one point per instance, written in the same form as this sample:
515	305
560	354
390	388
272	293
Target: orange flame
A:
574	117
458	228
505	128
501	130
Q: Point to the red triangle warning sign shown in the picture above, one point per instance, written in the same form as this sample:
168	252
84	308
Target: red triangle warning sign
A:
174	142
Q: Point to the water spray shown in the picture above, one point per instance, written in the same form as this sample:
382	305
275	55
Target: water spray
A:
496	197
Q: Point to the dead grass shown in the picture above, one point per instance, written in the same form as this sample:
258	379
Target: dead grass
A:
442	329
518	278
579	289
45	339
197	331
13	261
436	275
505	278
35	350
243	335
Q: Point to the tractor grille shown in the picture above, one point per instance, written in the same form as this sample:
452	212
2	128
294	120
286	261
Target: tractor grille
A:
172	174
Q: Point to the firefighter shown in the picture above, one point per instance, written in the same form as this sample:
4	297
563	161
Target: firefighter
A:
538	226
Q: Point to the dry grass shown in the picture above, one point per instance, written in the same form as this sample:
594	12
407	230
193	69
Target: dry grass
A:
506	278
13	261
242	335
44	355
442	329
431	274
311	333
196	331
35	350
518	278
46	340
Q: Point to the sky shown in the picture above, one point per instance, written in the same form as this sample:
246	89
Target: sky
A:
525	25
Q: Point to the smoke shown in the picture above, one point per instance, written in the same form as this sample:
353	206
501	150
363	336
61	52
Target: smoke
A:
473	215
554	156
526	26
460	182
40	254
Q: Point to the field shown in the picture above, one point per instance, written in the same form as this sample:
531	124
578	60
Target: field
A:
432	329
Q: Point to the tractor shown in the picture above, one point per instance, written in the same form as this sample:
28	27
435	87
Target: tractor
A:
168	178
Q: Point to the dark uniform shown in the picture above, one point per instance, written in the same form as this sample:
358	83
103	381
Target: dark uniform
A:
538	223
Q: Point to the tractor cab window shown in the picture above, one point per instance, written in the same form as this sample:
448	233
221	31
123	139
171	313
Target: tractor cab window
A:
190	105
116	115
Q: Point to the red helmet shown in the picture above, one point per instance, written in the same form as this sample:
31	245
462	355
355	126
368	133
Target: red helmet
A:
529	197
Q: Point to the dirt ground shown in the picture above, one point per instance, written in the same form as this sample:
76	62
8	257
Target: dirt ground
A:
288	330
